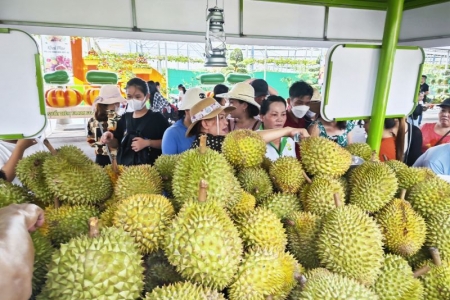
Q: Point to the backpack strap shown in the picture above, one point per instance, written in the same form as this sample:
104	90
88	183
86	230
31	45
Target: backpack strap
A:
442	138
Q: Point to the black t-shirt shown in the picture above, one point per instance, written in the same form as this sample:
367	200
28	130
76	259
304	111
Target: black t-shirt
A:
424	88
154	128
414	142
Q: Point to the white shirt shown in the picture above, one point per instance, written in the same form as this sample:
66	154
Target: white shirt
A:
6	150
287	148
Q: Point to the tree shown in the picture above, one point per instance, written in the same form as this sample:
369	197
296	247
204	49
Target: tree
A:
235	63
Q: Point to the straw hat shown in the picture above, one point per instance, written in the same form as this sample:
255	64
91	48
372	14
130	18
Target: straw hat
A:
241	91
191	97
109	94
207	108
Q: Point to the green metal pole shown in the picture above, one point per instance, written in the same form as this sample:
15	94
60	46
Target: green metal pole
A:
385	67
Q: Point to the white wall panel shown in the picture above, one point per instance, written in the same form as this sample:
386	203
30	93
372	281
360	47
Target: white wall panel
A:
344	23
267	18
426	21
91	12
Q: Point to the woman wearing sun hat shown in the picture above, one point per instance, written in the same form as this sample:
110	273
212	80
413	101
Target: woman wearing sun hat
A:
245	116
210	118
106	107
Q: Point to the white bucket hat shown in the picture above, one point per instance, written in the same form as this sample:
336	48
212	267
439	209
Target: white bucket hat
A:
191	97
241	91
109	94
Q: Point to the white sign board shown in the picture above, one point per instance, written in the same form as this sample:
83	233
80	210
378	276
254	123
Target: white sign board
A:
22	114
351	72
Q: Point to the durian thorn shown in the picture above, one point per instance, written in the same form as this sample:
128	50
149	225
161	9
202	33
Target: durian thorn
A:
337	200
115	168
436	256
385	157
202	193
307	177
50	147
422	271
56	202
403	194
93	227
202	147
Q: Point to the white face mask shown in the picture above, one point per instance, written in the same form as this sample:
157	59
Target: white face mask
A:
300	111
135	104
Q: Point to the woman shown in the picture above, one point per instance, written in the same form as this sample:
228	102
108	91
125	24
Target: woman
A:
210	118
181	92
437	133
139	133
220	89
273	116
105	119
337	131
157	102
242	98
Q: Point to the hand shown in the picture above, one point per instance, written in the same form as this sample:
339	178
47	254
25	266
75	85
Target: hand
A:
302	131
25	143
106	138
139	143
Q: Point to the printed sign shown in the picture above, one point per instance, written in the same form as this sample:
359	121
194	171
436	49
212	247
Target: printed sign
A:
57	53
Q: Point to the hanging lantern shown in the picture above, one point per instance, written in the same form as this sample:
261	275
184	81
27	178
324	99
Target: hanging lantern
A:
215	47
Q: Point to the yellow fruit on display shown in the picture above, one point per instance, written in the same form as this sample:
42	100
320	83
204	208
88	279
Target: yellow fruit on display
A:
430	197
159	272
114	174
436	282
244	148
409	177
319	195
246	204
362	150
140	179
256	181
287	174
165	165
282	204
438	234
184	290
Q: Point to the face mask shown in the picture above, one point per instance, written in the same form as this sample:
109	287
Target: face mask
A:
300	111
310	114
135	104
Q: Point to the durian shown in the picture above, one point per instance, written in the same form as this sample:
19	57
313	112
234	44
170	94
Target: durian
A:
184	290
436	282
114	174
396	165
409	177
244	148
146	218
430	197
282	204
159	272
42	257
438	235
320	156
140	179
165	165
13	194
246	204
362	150
287	174
318	197
256	181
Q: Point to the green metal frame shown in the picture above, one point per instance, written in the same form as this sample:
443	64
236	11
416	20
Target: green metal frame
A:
39	84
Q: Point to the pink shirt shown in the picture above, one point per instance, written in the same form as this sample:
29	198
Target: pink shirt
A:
430	137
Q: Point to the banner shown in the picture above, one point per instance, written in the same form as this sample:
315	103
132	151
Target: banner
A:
57	53
69	112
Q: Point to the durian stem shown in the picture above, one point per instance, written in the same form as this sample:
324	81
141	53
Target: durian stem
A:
403	194
436	256
269	297
337	200
385	157
50	147
202	147
114	164
307	177
422	271
93	227
301	280
374	156
56	202
202	191
290	222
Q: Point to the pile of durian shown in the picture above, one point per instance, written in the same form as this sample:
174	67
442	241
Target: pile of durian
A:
209	226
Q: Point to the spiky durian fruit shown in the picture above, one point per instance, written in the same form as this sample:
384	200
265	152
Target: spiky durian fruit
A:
362	150
403	229
287	174
319	196
13	194
184	290
260	275
203	243
165	165
372	186
430	197
351	243
159	272
74	178
256	181
303	231
266	164
204	163
29	170
244	148
42	257
114	174
396	165
334	286
140	179
320	156
68	222
438	234
292	271
436	282
246	204
262	228
417	260
282	204
104	267
409	177
146	218
397	281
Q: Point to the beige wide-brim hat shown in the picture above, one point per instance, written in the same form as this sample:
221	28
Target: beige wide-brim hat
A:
207	108
191	97
109	94
241	91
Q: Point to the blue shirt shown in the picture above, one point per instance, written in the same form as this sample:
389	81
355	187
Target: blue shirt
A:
174	140
437	159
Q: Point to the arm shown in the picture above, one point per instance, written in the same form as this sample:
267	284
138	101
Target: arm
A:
272	91
314	130
168	145
9	169
273	134
350	138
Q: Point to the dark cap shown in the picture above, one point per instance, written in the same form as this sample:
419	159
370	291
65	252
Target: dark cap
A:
445	103
261	87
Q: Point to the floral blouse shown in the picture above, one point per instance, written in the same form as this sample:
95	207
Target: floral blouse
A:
94	133
341	139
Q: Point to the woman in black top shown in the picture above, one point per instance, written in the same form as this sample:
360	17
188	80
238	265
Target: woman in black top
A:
139	133
413	141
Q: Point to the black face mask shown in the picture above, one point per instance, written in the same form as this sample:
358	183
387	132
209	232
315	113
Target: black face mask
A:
389	123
